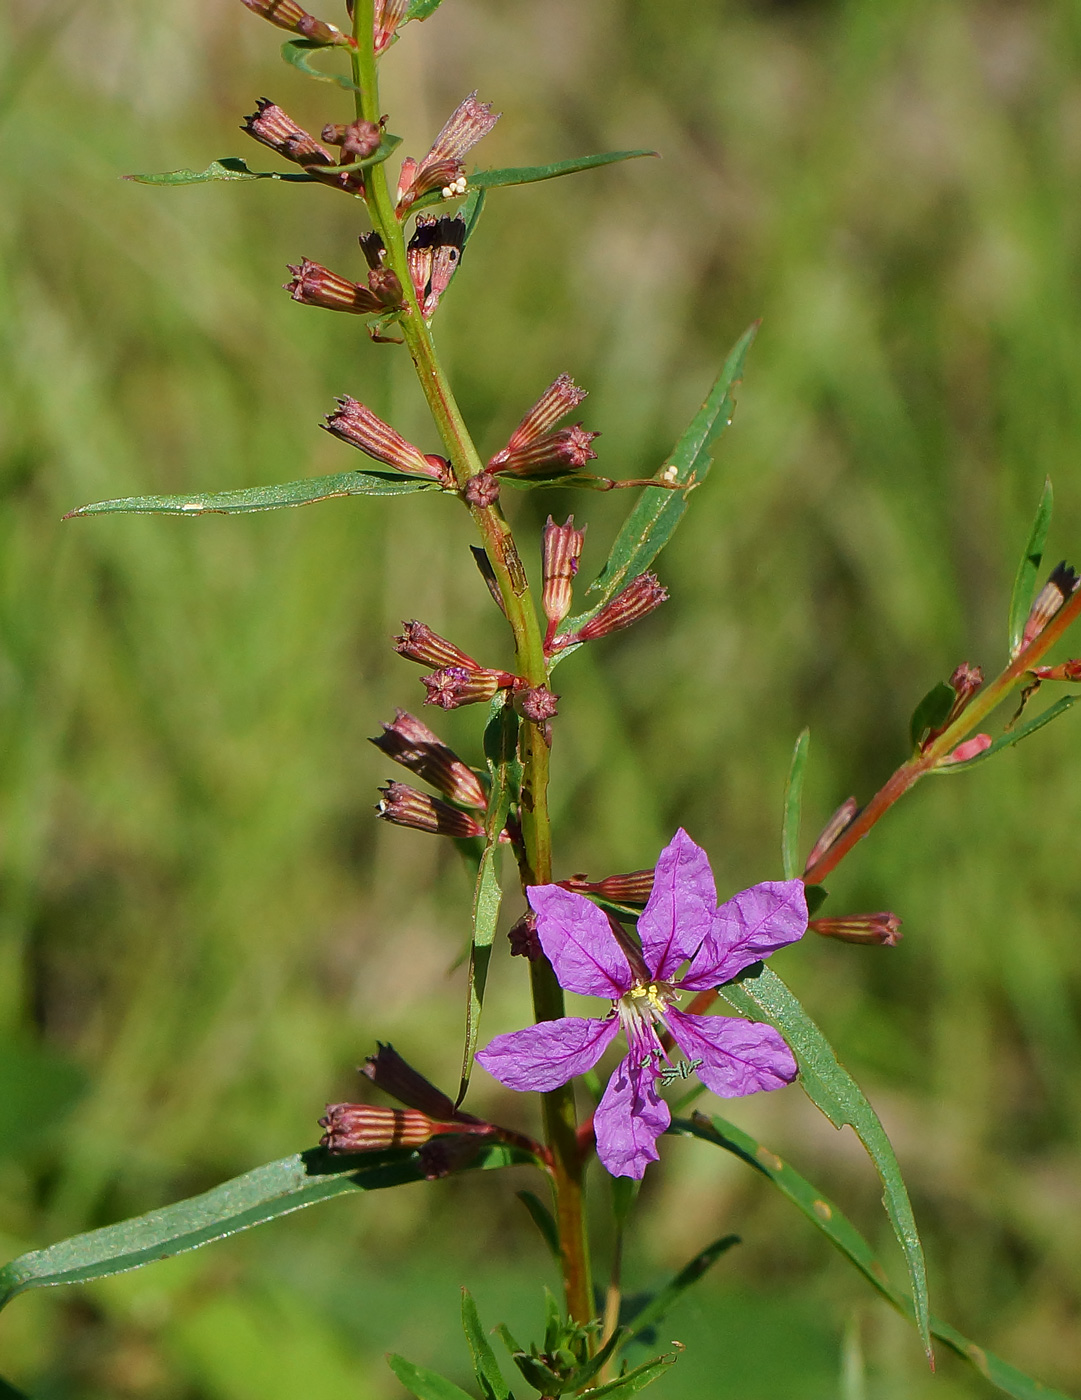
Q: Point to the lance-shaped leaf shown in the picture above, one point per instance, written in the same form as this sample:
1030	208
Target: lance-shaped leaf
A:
228	168
623	1387
1028	570
1013	736
655	516
544	1220
530	174
501	751
252	1199
297	52
832	1089
663	1302
288	493
489	1376
932	712
425	1384
839	1230
793	806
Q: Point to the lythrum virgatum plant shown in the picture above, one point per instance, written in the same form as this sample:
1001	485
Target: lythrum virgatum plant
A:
655	946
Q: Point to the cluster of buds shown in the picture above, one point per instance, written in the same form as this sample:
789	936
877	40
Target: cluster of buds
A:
315	285
457	679
635	602
1058	589
442	168
287	14
357	425
536	447
273	127
882	928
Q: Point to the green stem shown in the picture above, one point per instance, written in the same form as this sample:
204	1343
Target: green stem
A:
560	1116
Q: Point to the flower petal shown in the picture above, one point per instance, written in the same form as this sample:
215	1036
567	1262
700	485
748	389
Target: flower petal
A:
579	944
750	926
680	909
630	1118
546	1055
737	1057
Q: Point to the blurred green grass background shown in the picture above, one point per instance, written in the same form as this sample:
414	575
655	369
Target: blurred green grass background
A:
203	928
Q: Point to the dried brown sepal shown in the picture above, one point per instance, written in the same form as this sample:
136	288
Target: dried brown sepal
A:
523	939
412	744
287	14
883	928
844	816
405	806
432	255
388	1071
487	573
357	425
373	248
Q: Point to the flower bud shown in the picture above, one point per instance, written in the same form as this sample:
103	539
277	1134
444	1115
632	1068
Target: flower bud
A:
432	255
632	888
442	168
412	744
536	703
481	490
966	680
358	1127
561	552
419	643
560	398
360	427
553	454
637	600
388	16
845	814
287	14
315	285
357	140
883	928
273	127
389	1072
971	748
1058	588
453	686
405	806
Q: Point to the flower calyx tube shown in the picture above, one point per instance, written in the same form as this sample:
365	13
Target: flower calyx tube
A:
442	168
388	14
314	285
1059	588
562	549
844	816
402	805
681	923
357	425
411	743
432	255
635	602
633	888
276	129
287	14
882	928
536	448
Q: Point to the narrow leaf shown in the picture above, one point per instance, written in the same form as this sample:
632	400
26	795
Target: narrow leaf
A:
252	1199
651	523
1028	571
544	1220
228	168
832	1089
931	712
425	1384
793	806
489	1376
1013	736
840	1231
296	52
501	749
634	1381
529	174
663	1302
288	493
584	1374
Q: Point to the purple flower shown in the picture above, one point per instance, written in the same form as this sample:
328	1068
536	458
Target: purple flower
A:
680	924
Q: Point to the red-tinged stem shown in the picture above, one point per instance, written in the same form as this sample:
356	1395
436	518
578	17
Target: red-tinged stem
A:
560	1115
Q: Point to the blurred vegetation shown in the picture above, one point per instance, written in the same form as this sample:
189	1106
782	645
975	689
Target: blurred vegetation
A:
203	928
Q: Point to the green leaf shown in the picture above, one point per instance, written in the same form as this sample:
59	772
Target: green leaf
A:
296	52
584	1374
489	1376
625	1386
501	751
663	1302
1028	571
832	1089
840	1231
252	1199
228	168
544	1220
932	712
529	174
425	1384
793	806
1013	736
651	523
471	211
421	9
288	493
